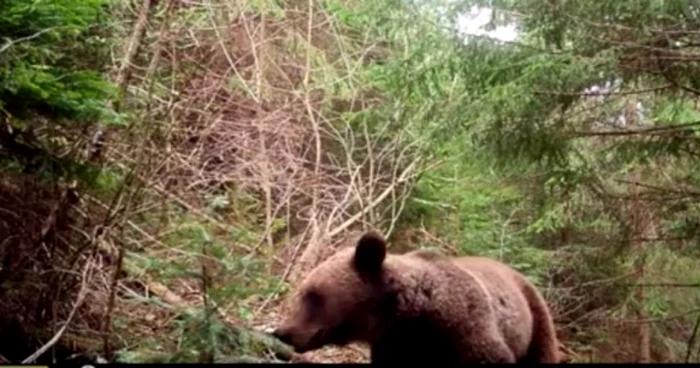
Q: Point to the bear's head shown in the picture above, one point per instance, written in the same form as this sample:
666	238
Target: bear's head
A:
340	300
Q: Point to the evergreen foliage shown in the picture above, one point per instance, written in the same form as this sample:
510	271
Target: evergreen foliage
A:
52	79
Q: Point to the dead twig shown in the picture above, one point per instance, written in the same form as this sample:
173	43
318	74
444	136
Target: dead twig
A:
691	340
86	277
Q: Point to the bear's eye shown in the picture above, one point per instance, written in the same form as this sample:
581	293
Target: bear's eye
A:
314	299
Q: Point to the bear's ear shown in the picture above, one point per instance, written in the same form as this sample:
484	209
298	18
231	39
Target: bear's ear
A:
370	252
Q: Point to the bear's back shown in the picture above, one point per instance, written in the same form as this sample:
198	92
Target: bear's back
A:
433	296
479	281
505	287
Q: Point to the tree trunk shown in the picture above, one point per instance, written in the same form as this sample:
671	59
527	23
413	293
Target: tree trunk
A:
642	228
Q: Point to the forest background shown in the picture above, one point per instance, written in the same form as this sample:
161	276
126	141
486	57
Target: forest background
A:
169	168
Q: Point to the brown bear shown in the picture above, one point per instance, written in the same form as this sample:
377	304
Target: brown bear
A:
420	307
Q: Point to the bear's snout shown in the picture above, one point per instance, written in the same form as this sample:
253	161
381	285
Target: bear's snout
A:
283	335
302	340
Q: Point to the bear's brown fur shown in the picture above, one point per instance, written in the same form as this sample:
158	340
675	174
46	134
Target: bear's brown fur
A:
420	307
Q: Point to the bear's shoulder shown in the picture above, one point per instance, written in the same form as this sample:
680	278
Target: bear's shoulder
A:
428	254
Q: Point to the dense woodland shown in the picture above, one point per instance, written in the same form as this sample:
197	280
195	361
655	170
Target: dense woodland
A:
169	168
